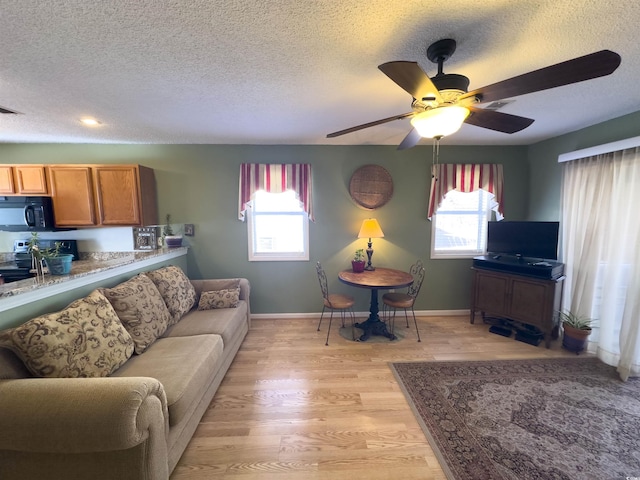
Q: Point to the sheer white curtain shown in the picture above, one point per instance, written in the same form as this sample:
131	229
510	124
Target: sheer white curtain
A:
601	250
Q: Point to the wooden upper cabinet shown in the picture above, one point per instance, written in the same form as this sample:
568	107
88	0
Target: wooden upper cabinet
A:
31	179
23	180
103	195
6	180
125	195
72	195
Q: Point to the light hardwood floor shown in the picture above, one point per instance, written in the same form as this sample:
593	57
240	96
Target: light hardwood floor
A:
292	408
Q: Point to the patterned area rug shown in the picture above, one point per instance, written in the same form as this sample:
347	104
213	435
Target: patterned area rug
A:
565	418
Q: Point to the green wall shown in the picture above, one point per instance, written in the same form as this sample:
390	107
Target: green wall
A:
546	172
199	184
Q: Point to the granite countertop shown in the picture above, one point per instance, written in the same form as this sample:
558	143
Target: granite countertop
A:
89	264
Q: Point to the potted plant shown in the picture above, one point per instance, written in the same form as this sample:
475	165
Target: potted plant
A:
358	263
57	263
576	329
171	240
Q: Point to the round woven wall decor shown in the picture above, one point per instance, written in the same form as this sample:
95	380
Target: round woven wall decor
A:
371	186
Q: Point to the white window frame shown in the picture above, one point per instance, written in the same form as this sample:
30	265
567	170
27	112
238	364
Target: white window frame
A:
256	256
451	253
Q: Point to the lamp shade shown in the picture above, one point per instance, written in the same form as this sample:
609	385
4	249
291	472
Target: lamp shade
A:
440	122
370	229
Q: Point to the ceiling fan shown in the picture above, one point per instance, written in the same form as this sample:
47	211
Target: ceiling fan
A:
442	103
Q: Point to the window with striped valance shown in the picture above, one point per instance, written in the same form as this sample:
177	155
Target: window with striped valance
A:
466	178
275	178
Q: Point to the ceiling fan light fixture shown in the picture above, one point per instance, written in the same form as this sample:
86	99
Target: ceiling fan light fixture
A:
440	122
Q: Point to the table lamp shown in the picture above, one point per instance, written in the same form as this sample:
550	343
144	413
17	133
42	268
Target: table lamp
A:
370	229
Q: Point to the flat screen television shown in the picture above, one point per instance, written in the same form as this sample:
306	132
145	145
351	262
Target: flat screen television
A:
526	239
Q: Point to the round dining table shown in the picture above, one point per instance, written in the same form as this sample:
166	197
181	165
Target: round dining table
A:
374	280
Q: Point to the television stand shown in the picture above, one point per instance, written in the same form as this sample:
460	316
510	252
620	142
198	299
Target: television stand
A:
521	265
523	298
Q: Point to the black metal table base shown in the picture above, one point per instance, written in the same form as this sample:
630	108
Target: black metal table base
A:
374	327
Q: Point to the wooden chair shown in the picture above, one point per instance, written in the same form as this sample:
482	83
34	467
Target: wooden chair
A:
334	301
406	300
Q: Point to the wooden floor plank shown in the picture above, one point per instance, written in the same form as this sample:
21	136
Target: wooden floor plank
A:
292	408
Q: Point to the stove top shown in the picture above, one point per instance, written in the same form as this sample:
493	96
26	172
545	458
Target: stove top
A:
20	268
66	246
10	272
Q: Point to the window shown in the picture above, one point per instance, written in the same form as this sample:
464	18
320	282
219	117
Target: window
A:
459	226
278	227
600	238
277	200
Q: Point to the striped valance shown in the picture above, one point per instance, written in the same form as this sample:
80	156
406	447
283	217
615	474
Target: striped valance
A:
466	178
275	178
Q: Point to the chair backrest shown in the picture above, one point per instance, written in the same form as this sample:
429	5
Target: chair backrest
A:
417	271
322	278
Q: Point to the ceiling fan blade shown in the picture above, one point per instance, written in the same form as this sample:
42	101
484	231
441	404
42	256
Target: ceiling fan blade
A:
410	77
411	140
594	65
498	121
370	124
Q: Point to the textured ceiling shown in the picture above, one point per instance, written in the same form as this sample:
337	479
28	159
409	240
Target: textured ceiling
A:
291	71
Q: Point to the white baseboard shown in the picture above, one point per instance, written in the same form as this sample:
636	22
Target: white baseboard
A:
316	315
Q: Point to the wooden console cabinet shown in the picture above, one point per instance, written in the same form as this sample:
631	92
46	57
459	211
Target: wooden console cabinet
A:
529	300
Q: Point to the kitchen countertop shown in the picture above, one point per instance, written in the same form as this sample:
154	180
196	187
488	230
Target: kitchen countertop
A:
91	267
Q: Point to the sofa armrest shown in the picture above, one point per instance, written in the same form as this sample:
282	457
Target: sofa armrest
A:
245	289
245	292
72	415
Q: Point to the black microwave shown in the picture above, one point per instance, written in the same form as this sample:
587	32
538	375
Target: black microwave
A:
26	214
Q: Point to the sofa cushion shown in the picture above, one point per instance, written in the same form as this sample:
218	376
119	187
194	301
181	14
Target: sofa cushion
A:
141	310
227	298
85	339
184	365
225	322
176	290
211	284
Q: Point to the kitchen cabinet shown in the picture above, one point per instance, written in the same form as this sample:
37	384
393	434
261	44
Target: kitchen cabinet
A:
6	180
526	299
23	180
72	195
103	195
125	195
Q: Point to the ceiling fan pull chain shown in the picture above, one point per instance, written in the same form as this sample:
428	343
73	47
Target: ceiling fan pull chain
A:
436	150
434	159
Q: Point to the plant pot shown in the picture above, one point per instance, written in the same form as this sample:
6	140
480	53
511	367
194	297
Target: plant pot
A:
357	266
173	241
574	339
59	265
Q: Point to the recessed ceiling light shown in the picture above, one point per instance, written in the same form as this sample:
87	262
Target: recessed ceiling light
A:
90	122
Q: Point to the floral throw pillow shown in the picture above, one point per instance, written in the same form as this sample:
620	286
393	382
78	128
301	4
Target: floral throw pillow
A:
86	339
176	290
227	298
141	310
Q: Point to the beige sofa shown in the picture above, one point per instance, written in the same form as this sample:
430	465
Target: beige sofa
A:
135	421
